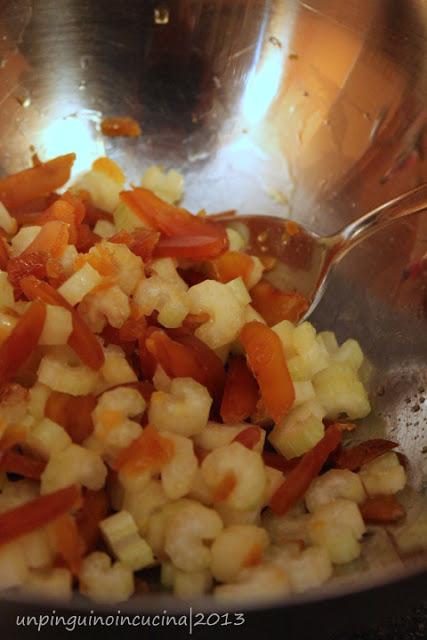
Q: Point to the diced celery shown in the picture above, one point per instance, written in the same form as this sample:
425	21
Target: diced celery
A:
304	391
24	238
167	186
239	289
80	284
7	222
57	327
125	219
285	331
350	354
339	390
329	341
384	475
235	240
104	229
299	431
121	534
304	337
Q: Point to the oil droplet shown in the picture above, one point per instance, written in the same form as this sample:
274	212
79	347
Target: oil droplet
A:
82	85
161	15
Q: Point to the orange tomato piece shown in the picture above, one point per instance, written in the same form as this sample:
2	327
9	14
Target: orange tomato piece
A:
267	362
85	238
241	392
68	209
102	261
81	340
22	341
382	510
231	265
124	126
132	329
22	465
150	451
187	357
27	264
69	544
20	188
175	358
52	239
14	435
73	413
187	236
209	362
77	204
300	478
275	305
292	228
37	513
58	210
249	437
141	242
353	458
111	335
95	508
194	246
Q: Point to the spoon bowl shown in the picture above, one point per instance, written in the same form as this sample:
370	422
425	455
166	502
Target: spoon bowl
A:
304	259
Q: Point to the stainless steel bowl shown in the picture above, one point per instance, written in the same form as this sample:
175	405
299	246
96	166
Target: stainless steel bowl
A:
315	110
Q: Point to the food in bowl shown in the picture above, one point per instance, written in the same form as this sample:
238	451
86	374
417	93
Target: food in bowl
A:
161	406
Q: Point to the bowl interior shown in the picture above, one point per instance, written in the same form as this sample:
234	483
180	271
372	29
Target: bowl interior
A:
314	110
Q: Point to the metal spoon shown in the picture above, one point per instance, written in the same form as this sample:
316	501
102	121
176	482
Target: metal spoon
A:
305	259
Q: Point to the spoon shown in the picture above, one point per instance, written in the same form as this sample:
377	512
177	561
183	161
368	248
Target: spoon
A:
304	260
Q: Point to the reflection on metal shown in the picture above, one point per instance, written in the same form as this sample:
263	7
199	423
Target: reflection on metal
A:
161	15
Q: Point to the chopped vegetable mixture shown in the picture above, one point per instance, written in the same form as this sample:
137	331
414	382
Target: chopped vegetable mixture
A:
160	405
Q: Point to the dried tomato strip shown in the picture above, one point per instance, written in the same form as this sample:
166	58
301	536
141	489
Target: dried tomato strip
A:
299	479
22	341
81	340
36	513
241	392
353	458
22	465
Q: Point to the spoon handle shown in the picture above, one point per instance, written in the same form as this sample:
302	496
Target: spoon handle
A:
411	202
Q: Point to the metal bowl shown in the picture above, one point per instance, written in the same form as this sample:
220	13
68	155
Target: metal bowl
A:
315	110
